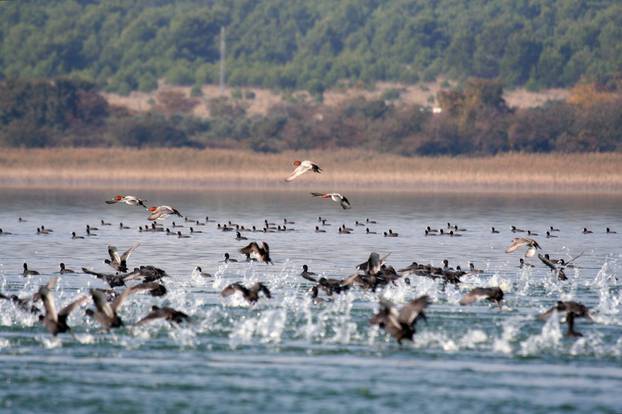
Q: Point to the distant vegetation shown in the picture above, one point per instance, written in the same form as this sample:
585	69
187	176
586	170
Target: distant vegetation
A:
126	45
475	119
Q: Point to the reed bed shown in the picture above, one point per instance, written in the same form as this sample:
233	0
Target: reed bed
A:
178	168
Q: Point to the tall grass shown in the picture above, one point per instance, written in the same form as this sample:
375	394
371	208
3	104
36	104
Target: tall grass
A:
343	169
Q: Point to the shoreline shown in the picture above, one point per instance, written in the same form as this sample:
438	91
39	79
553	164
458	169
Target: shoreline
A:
344	170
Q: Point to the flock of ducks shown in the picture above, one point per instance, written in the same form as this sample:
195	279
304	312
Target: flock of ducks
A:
372	274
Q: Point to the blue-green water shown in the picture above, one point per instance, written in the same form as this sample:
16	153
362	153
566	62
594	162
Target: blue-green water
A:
288	354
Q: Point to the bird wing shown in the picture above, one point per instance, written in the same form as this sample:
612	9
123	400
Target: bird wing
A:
251	248
263	288
155	215
314	194
516	244
128	253
574	258
345	203
547	262
73	305
118	301
152	316
114	254
474	295
102	305
409	312
48	303
547	314
231	289
301	169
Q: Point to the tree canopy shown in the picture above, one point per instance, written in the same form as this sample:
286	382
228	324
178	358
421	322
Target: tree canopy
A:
297	44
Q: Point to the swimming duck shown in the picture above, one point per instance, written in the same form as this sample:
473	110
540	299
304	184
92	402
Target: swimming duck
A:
452	234
229	259
122	227
88	231
21	220
519	242
573	310
129	200
325	223
286	222
162	212
172	316
302	167
367	231
549	235
517	230
41	231
258	252
238	236
119	262
390	234
586	231
493	294
431	230
57	322
308	275
531	233
367	220
523	263
318	230
552	229
401	323
358	223
250	294
64	269
345	230
193	231
609	231
177	225
28	272
74	236
103	223
472	268
182	236
201	273
494	231
4	233
336	197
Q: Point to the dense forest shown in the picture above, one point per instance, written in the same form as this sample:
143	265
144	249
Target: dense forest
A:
125	45
475	119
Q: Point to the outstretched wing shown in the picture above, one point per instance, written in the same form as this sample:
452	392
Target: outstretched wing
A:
264	289
345	203
547	262
231	289
413	310
114	254
152	316
128	253
474	295
73	305
314	194
301	169
517	243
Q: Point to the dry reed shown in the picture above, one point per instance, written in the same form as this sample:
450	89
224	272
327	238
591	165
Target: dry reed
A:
344	169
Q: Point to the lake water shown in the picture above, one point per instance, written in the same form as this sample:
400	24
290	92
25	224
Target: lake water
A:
288	354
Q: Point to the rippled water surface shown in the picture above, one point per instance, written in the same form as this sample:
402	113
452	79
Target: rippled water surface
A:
289	354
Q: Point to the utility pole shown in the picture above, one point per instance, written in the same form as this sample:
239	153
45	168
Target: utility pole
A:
222	60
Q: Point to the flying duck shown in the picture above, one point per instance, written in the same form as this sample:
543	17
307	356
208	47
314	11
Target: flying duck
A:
401	323
336	197
173	316
162	212
250	294
573	310
302	167
519	242
493	294
119	262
